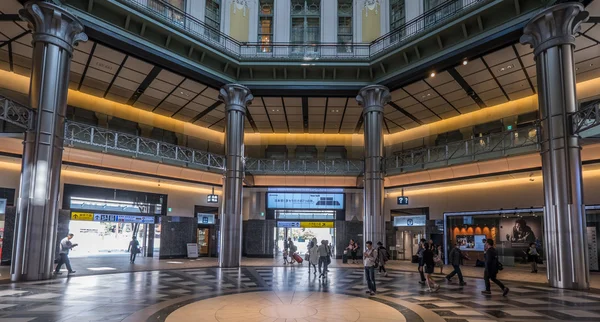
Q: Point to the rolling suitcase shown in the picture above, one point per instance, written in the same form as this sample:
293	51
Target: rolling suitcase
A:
298	259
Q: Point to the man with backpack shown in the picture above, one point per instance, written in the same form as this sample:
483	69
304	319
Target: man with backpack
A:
455	258
383	257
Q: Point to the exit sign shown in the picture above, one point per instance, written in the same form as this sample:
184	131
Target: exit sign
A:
403	200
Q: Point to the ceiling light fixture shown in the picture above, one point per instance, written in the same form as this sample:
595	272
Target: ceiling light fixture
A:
432	74
465	62
506	68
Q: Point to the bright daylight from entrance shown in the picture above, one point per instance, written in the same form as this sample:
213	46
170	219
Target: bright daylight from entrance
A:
299	160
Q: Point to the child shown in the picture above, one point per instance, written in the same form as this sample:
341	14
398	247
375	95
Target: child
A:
285	257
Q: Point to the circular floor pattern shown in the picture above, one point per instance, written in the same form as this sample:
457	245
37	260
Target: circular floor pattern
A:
286	306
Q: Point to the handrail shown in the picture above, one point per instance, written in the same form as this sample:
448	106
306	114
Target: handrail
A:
511	142
16	114
587	117
105	139
251	51
305	167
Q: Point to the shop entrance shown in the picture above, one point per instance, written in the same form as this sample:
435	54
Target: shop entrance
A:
410	227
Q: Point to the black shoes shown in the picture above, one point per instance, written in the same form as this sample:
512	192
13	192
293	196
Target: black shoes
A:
462	283
505	291
486	292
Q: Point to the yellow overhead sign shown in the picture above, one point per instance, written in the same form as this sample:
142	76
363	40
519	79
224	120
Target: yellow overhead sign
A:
87	216
316	224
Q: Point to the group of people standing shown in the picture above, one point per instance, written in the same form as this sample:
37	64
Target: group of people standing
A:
321	255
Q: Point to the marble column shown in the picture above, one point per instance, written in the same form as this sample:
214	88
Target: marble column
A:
55	31
552	35
236	98
373	98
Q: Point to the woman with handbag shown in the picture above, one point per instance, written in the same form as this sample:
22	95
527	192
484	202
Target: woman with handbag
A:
313	255
439	258
134	249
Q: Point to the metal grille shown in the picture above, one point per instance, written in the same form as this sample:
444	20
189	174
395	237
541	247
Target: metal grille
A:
587	117
513	142
304	167
16	114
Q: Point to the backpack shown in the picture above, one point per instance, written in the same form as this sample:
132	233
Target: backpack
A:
385	256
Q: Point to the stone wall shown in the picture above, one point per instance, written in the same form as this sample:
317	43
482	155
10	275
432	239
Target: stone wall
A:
176	233
344	231
9	232
258	238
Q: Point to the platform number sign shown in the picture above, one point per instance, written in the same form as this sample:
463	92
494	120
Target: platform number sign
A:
403	200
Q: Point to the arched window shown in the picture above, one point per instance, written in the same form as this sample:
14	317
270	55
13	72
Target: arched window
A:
345	32
306	22
265	25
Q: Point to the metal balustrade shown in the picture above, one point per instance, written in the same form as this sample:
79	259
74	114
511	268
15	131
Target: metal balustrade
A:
490	146
253	51
136	146
16	114
586	119
304	167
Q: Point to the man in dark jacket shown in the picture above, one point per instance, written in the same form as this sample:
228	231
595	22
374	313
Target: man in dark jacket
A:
454	259
491	269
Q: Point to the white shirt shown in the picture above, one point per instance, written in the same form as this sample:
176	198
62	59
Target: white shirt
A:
65	246
323	250
370	257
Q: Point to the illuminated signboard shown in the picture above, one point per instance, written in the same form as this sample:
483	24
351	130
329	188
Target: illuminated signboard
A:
403	200
305	200
206	219
212	199
410	221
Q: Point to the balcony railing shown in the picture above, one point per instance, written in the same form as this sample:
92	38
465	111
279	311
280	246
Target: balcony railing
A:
250	51
304	167
16	114
512	142
78	134
586	118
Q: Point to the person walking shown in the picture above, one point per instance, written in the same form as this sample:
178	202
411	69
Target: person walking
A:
439	258
313	255
292	250
353	248
491	268
455	259
370	262
429	262
134	249
324	259
420	255
65	247
533	257
383	256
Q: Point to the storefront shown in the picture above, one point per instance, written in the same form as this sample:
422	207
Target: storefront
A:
409	228
512	231
208	231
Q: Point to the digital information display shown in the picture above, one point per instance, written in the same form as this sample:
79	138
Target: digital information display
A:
88	216
206	219
410	221
305	200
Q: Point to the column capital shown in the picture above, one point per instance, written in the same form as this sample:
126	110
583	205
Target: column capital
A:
556	25
53	24
373	98
236	97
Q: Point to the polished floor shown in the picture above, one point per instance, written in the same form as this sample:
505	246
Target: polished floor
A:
283	294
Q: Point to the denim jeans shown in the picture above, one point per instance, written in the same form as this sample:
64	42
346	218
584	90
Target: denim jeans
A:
323	261
370	275
487	277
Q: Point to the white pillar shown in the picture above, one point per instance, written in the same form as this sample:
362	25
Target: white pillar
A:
329	26
196	9
282	23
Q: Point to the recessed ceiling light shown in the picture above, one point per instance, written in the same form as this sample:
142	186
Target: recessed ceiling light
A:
432	74
465	62
502	69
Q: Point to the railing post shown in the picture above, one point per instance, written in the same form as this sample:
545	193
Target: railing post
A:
397	163
158	149
209	160
447	154
177	153
194	157
116	139
137	146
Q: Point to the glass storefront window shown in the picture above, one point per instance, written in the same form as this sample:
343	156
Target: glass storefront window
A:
265	25
512	232
172	10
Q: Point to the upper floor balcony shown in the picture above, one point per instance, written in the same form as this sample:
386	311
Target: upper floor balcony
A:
347	44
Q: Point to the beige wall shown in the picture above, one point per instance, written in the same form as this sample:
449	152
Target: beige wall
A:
523	192
181	197
371	23
239	22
